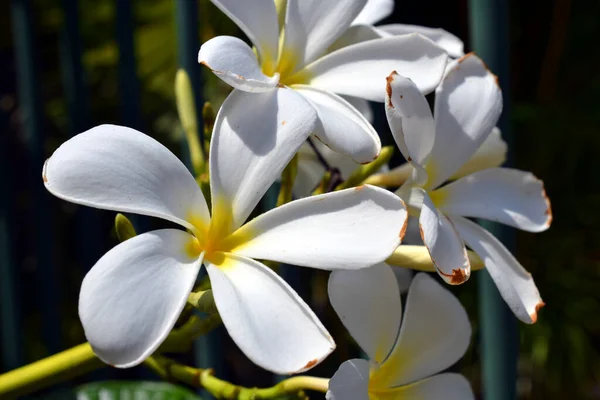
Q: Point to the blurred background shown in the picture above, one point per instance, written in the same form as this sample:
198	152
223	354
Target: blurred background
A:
66	66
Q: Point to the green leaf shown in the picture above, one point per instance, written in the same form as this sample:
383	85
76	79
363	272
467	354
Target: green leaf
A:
127	390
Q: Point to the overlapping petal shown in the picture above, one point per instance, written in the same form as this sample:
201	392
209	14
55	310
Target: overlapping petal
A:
268	321
233	61
357	34
359	70
409	117
312	25
467	106
350	382
348	229
340	126
368	303
447	41
448	386
374	11
491	154
258	20
505	195
255	136
131	298
117	168
428	345
446	248
515	284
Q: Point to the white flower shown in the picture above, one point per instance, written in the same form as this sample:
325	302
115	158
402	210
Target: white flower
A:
403	360
296	56
131	298
468	103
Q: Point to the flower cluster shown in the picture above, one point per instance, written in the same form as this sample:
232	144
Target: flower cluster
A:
300	95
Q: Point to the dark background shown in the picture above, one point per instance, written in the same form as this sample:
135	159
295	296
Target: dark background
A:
555	119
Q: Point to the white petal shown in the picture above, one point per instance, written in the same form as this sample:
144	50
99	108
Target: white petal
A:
515	284
117	168
350	381
356	34
467	106
446	248
447	41
409	117
132	297
342	127
258	20
312	25
233	61
505	195
374	11
435	334
360	70
362	105
265	317
491	154
310	170
255	136
448	386
348	229
368	303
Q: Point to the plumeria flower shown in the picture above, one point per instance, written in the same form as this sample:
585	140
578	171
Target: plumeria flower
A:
296	56
468	103
132	297
404	358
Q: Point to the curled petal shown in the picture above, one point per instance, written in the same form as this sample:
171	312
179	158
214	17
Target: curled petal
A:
446	248
515	284
120	169
132	297
265	317
348	229
342	127
409	117
234	62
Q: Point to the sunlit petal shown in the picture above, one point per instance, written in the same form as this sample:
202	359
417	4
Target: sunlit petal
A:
117	168
131	298
265	317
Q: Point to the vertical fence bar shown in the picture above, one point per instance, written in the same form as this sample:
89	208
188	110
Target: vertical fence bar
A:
11	345
129	84
207	348
499	341
32	114
78	106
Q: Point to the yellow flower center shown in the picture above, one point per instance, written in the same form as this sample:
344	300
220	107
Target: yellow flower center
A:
216	239
286	65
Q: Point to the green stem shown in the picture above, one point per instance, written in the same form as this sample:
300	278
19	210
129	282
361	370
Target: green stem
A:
186	107
365	171
225	390
68	364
